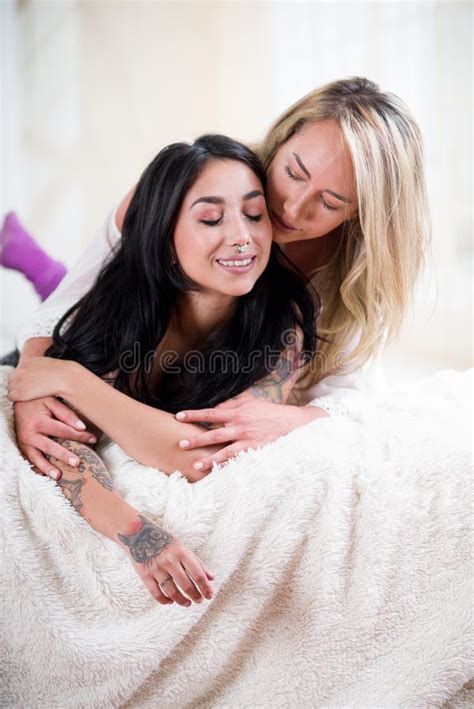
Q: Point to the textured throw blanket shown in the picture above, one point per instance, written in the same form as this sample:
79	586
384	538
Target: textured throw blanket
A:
343	557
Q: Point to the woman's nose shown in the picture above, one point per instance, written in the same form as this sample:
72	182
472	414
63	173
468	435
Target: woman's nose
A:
297	207
239	233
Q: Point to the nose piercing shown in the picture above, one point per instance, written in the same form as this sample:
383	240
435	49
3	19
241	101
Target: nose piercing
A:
242	248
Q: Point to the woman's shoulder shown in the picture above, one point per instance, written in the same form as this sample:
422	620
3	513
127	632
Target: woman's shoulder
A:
119	214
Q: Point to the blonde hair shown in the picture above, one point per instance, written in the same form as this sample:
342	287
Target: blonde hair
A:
367	286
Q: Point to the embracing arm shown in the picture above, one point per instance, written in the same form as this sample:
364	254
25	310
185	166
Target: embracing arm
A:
147	434
35	347
257	416
37	421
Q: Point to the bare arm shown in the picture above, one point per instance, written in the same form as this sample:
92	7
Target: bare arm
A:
147	434
122	209
257	416
35	347
38	420
154	553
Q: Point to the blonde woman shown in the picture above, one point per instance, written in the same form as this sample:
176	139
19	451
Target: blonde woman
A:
347	200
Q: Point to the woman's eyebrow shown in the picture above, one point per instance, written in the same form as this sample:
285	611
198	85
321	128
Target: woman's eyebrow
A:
308	174
213	199
300	163
339	196
251	195
209	200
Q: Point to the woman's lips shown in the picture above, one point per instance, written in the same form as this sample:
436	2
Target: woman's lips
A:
238	270
280	224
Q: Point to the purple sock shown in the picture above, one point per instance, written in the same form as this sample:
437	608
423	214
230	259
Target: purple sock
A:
20	252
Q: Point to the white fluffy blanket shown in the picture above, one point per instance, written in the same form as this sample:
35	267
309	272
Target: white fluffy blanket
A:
343	556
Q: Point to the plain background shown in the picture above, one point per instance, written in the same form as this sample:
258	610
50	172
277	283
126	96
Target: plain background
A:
92	90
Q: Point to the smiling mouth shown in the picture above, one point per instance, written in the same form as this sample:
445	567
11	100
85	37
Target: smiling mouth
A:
280	224
240	265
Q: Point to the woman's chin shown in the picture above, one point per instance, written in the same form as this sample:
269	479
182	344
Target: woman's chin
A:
238	290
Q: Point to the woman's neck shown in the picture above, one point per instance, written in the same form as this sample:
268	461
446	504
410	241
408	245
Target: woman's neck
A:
311	254
198	314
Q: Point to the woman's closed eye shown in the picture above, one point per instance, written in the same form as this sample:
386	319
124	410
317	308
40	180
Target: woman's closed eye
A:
291	174
325	204
211	222
215	222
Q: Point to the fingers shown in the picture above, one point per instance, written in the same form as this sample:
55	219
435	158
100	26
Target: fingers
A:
220	457
171	590
208	415
42	465
182	573
155	591
192	579
50	447
55	428
217	435
65	414
229	404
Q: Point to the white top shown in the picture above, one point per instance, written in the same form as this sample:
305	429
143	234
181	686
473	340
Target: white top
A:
339	394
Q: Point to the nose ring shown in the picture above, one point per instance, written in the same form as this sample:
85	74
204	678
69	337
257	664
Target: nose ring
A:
242	248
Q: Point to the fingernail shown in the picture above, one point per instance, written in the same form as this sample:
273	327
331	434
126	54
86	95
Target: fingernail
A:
72	461
54	474
92	439
180	416
198	466
184	444
81	425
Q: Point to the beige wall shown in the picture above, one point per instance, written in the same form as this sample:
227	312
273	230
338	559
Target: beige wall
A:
94	89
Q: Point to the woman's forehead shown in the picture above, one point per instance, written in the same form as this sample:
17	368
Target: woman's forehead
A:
320	150
223	178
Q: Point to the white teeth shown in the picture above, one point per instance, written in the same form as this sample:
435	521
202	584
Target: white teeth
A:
240	262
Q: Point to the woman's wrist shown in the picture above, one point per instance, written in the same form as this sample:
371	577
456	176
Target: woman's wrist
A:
73	376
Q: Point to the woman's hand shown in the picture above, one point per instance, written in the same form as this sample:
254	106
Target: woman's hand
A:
36	421
39	416
244	423
165	565
37	377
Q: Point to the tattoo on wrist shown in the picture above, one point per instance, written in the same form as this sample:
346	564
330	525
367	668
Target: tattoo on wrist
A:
148	542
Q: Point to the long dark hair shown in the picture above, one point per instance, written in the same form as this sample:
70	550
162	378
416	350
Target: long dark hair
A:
128	309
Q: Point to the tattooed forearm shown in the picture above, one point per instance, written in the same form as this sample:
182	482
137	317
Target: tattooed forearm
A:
72	490
147	542
90	463
277	385
74	478
89	488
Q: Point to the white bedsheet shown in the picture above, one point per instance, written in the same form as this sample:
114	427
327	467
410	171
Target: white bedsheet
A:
343	556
